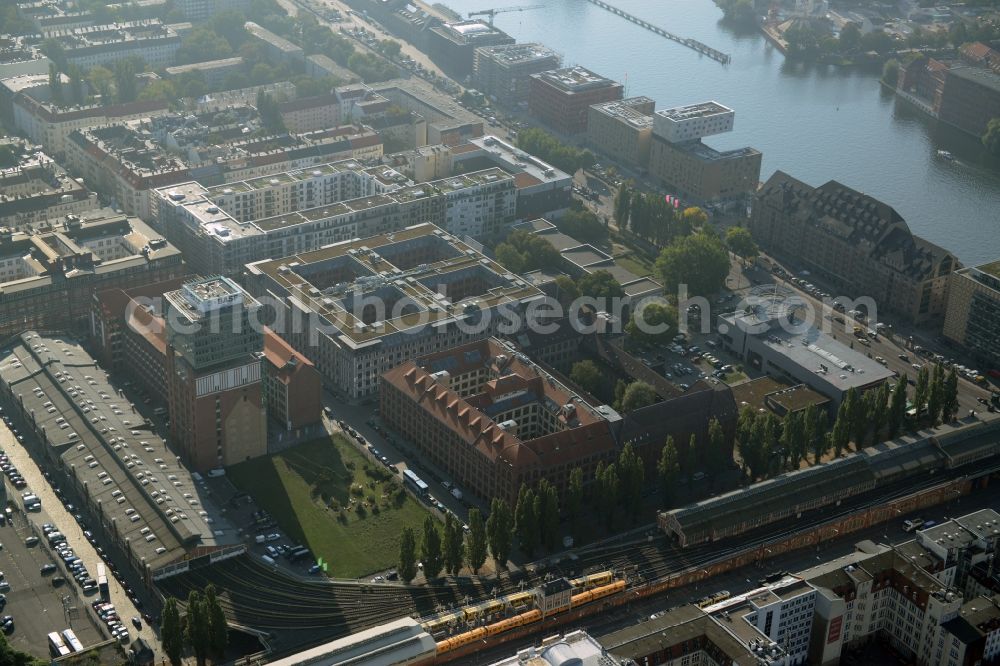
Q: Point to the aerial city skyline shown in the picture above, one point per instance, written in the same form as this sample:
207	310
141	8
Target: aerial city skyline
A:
572	332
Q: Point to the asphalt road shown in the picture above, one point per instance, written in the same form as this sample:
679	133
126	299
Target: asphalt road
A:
36	606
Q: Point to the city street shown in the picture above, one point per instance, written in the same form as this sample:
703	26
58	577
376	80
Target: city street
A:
54	512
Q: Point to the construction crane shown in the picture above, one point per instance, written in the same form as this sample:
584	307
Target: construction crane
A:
503	10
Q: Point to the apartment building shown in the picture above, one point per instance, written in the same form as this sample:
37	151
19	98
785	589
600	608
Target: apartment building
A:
855	244
48	275
542	189
199	10
306	114
214	71
222	228
126	162
50	125
561	98
151	40
37	188
972	317
278	48
504	72
622	129
357	308
422	164
493	420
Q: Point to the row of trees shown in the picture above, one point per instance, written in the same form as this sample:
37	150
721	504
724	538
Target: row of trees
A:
676	461
769	445
813	40
534	521
649	216
447	552
582	224
550	149
203	628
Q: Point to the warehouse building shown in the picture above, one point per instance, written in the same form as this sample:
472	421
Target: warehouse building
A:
156	513
770	340
855	243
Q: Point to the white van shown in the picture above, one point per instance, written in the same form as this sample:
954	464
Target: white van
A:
267	560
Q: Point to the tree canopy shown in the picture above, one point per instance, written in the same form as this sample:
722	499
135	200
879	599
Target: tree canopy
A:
649	319
638	394
523	252
587	375
550	149
699	261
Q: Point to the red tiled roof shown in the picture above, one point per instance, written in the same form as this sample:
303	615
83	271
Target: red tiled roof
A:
278	353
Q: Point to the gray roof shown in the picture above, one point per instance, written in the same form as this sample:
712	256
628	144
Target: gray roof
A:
149	498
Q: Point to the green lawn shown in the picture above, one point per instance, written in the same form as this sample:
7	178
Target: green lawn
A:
636	263
313	491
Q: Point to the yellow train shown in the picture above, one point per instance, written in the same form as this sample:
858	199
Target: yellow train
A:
527	617
484	609
458	640
597	593
513	622
593	580
521	599
442	622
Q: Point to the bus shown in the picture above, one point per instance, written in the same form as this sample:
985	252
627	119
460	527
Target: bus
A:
72	641
415	482
56	645
102	583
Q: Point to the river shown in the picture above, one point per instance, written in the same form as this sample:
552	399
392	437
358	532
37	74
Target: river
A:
816	123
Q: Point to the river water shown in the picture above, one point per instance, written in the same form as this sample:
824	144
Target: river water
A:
816	123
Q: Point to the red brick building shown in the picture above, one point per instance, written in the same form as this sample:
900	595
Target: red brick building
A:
493	419
292	385
562	98
224	404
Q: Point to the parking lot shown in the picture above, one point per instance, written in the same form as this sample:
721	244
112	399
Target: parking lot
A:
53	511
38	607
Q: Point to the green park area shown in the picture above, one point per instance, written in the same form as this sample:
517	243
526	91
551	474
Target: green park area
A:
328	496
